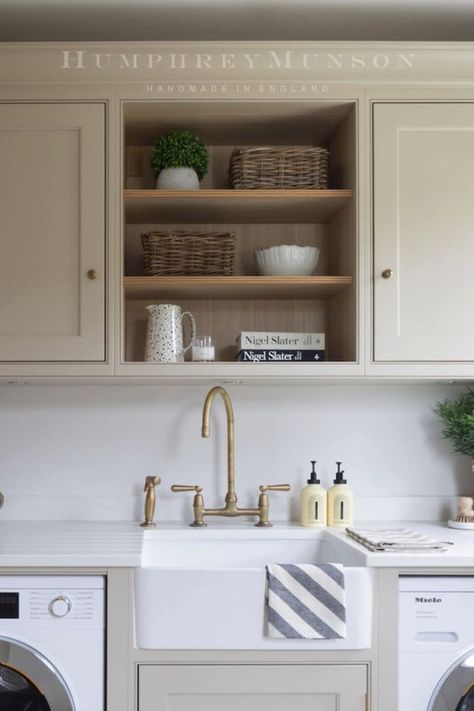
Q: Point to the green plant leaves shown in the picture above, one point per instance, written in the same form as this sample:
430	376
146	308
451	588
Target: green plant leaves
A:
458	420
179	149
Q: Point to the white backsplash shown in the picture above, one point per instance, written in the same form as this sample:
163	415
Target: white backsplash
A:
81	453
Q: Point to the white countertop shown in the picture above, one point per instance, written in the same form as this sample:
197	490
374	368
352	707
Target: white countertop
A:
70	544
119	544
460	554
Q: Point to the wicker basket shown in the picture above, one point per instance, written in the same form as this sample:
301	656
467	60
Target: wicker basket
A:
292	168
189	253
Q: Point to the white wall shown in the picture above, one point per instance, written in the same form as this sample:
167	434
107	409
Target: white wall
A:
83	452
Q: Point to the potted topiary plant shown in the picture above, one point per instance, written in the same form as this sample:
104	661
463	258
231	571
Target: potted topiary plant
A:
458	420
179	161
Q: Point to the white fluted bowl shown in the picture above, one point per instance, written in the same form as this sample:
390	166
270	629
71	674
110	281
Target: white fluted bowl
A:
287	260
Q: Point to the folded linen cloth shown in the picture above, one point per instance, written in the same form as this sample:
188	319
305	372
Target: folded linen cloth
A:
306	601
396	540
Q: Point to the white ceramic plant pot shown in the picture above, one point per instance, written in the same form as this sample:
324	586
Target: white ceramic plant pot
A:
177	179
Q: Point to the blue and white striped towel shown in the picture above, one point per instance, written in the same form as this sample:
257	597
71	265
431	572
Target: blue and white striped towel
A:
306	601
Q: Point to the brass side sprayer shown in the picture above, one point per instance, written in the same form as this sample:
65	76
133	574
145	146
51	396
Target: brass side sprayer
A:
150	500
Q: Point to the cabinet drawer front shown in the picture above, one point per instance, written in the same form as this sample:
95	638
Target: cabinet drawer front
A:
255	687
423	231
52	222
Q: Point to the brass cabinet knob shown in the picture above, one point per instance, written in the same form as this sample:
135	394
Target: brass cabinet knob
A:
92	274
387	273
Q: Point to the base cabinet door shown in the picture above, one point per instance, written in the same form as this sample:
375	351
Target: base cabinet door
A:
253	687
423	156
52	232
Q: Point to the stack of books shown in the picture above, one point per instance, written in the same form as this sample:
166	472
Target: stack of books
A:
272	347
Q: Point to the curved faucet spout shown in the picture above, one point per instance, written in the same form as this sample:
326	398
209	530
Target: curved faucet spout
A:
231	497
230	509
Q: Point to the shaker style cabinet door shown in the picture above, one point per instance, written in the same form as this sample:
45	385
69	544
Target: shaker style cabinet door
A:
253	687
52	232
423	157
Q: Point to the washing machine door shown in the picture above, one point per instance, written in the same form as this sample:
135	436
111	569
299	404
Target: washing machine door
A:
455	690
18	693
29	682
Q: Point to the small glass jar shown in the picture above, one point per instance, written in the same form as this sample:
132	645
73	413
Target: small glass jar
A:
203	349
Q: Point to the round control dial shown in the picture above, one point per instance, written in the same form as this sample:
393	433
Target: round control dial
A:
60	606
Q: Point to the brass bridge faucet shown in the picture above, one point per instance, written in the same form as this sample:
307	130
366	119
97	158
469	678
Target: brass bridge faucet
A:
230	509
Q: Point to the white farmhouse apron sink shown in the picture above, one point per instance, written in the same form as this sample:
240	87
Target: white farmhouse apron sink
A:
205	589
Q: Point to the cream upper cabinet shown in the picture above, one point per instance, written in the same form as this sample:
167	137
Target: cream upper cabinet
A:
52	223
423	157
77	192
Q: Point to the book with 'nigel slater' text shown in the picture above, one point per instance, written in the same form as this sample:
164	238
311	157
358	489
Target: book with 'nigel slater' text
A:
278	355
270	340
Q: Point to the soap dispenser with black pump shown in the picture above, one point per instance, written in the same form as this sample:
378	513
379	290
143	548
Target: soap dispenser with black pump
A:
313	501
340	501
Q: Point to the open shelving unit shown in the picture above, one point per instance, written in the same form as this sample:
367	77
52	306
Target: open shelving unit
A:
225	305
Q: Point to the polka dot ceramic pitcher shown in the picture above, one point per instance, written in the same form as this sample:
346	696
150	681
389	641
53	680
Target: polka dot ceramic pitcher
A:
164	333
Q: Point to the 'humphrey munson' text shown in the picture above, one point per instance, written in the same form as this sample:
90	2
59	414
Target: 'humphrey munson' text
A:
229	61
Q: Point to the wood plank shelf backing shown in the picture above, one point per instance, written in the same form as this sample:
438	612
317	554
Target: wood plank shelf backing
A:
250	206
236	287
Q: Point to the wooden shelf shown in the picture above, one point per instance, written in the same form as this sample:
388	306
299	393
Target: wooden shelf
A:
236	287
233	206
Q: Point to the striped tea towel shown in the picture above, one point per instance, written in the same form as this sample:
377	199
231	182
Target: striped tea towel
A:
396	540
306	601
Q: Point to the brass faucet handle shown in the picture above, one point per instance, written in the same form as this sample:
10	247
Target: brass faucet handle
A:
275	487
198	502
185	487
263	501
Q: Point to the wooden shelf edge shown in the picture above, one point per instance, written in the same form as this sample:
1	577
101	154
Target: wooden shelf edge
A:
131	194
241	287
239	280
229	206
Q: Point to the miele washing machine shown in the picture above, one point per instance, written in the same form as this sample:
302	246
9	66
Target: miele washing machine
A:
436	643
52	638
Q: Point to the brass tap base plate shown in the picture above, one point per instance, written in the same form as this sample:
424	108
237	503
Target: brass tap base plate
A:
147	525
260	524
196	524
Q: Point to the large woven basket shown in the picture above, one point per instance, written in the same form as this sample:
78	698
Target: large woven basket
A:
292	168
189	253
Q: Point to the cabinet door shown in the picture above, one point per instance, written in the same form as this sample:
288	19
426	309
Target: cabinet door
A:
52	232
423	231
252	687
